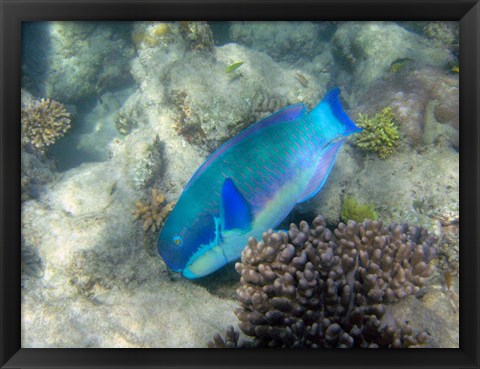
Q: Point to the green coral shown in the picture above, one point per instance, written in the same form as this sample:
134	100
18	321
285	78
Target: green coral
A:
380	133
351	209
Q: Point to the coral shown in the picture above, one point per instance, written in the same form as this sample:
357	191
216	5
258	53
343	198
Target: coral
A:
186	124
380	133
147	168
315	288
197	34
351	209
266	104
152	36
82	58
154	212
400	65
444	34
36	171
124	123
43	122
230	340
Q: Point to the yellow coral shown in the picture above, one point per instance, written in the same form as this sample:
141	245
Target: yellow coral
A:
160	29
153	36
43	121
154	212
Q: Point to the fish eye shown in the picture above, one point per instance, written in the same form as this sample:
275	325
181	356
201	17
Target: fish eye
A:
177	241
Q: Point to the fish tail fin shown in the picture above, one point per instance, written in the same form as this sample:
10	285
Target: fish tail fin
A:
330	117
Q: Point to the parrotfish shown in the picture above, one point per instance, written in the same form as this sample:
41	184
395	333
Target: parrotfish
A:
251	183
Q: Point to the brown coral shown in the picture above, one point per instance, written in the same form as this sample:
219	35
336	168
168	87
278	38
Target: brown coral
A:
198	34
316	288
43	122
154	212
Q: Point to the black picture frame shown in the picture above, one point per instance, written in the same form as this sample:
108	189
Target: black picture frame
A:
13	12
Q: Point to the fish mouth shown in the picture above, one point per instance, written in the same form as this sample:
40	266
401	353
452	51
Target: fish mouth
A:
204	261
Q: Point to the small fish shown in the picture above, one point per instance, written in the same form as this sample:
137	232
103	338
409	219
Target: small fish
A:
233	67
251	183
302	79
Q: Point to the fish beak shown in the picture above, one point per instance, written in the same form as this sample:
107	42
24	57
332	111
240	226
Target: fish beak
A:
206	263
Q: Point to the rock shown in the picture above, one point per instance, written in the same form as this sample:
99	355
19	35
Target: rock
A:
83	59
366	50
283	41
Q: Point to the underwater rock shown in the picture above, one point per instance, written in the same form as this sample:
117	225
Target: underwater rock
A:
36	172
409	97
83	58
87	280
205	116
283	41
445	34
198	34
314	288
366	50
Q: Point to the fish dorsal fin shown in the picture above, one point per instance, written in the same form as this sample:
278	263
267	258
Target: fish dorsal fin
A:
324	166
235	211
287	114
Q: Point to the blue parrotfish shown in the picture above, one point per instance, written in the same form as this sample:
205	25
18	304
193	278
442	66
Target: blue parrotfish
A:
251	183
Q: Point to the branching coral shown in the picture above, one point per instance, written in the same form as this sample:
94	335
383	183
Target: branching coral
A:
380	133
43	122
154	212
314	288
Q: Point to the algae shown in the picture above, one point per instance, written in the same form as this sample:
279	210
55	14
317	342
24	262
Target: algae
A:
354	210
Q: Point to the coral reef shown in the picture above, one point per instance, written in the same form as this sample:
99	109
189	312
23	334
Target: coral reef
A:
445	34
147	168
124	123
314	288
43	122
153	212
36	171
351	209
153	35
400	65
82	58
380	133
198	35
185	121
266	104
357	47
283	41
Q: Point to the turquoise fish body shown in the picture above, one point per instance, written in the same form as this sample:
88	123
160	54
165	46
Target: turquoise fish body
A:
251	183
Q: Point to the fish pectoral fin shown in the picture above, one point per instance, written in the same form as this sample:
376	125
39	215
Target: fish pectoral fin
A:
322	170
236	211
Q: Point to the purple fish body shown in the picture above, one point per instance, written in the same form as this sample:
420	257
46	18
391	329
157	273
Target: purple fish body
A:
251	183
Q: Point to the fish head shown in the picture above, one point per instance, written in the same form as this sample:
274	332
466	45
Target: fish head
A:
191	244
